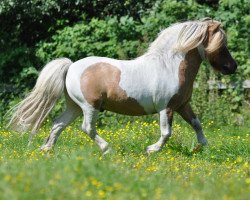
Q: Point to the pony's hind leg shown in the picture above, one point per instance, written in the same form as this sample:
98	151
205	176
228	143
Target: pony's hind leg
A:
71	112
166	117
89	127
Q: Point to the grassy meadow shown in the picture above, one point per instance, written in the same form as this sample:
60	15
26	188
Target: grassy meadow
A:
76	169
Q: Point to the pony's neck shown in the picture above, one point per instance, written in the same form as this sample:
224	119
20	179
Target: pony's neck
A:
189	68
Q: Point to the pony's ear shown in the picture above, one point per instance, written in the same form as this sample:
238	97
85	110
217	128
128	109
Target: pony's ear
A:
214	26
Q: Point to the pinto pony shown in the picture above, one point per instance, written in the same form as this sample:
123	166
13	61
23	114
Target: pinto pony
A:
160	81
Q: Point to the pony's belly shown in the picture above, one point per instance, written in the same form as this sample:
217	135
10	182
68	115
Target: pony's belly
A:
126	107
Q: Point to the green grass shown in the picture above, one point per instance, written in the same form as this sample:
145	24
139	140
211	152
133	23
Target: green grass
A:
75	169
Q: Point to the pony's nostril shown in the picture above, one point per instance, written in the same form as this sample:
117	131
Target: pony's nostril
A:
233	68
226	68
230	67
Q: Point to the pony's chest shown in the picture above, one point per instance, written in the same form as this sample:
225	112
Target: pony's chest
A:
180	98
188	70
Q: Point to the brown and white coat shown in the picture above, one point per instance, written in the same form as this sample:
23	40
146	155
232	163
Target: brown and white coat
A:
160	81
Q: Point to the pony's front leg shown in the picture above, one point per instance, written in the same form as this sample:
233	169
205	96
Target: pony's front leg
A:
188	115
166	118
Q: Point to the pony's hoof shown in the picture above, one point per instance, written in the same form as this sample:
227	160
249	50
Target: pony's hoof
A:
198	148
45	149
106	151
203	142
152	149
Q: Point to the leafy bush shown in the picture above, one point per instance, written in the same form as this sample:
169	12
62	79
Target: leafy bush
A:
111	37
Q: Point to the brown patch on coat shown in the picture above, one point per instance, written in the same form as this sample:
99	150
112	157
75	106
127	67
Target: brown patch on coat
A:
100	87
188	70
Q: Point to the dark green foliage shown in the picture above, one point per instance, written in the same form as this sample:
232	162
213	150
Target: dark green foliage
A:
31	21
98	37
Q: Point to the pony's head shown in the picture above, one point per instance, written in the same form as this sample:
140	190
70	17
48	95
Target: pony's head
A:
216	49
208	36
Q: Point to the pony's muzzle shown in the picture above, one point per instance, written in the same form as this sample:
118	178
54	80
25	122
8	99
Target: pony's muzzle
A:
229	69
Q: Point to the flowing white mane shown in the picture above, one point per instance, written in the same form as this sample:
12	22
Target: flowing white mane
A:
190	36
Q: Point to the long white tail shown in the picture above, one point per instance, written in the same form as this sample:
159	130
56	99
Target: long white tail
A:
31	112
